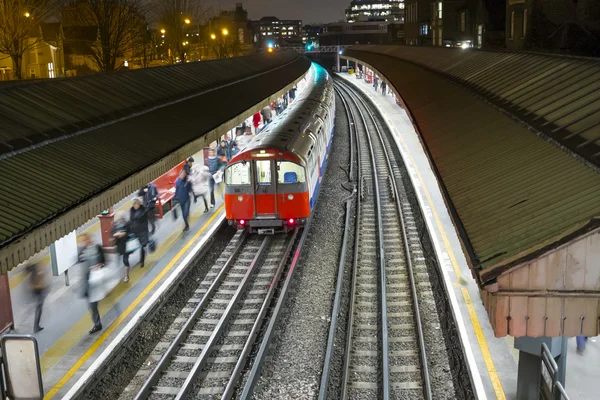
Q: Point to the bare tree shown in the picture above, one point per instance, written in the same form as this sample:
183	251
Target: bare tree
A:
20	27
119	22
225	45
180	20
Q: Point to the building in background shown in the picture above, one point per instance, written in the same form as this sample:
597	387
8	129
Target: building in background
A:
348	33
564	26
237	24
312	34
272	30
376	10
44	57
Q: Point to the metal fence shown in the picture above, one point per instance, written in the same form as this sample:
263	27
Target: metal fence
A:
550	387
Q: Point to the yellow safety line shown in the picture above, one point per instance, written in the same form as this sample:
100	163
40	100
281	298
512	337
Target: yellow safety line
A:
128	311
485	351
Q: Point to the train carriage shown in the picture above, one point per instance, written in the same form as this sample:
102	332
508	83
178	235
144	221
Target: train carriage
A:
272	183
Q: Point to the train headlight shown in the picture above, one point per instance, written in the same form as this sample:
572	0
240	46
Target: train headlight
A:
240	198
290	197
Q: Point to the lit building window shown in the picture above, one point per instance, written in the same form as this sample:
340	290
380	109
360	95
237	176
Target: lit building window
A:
439	10
51	70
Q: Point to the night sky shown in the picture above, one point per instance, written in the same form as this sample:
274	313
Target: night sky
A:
308	11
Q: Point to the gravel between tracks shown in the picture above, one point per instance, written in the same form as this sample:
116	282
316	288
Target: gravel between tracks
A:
124	368
298	349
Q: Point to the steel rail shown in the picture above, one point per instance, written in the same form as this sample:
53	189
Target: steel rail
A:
338	291
155	375
385	365
188	384
233	381
350	324
256	370
409	265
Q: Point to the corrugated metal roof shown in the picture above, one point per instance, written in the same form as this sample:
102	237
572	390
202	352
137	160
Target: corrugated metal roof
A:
513	194
55	177
557	95
32	113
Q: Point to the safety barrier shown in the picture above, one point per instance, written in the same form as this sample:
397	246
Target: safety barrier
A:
550	387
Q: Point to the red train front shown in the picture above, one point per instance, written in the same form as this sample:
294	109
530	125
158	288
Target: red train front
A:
266	191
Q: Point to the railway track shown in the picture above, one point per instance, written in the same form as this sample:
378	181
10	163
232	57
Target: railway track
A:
385	346
208	348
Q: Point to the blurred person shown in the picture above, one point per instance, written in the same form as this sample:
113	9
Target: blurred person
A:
92	256
200	180
267	114
38	283
231	147
256	118
244	138
375	82
138	227
215	165
581	344
183	189
150	195
293	94
223	150
383	87
120	233
187	167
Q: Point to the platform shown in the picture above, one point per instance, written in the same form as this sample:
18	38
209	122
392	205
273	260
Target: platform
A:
493	360
66	348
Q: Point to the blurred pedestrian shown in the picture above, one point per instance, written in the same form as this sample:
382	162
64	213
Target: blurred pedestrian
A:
383	87
38	283
223	151
581	344
183	189
92	256
214	166
120	233
256	118
376	82
138	227
200	180
150	195
293	94
267	114
189	163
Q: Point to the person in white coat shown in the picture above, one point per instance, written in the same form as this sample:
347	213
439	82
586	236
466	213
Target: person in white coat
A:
200	179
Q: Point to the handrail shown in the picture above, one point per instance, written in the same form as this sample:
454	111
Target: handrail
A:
556	390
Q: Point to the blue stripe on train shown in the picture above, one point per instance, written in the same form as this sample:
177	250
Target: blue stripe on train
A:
323	165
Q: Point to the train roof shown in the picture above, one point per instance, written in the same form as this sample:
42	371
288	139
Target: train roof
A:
288	131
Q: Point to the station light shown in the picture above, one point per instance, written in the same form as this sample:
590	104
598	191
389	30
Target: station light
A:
270	49
270	45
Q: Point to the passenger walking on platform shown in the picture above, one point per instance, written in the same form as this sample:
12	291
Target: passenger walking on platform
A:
267	114
120	232
138	226
92	256
256	121
375	82
38	283
187	167
581	343
200	180
183	189
214	165
223	151
293	94
383	87
150	196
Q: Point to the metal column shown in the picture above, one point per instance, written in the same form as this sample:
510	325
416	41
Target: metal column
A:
530	363
337	59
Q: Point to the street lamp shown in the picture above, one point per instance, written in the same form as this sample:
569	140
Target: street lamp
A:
187	21
225	32
163	31
213	36
27	15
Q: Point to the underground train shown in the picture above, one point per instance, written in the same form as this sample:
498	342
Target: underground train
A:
271	184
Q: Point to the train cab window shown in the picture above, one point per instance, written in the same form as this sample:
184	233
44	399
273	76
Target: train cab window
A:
289	172
238	174
263	172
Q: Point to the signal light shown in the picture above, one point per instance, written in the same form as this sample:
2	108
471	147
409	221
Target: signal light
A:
270	49
291	221
242	222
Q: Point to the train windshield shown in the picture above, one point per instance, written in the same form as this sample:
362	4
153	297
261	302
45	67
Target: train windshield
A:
238	174
289	172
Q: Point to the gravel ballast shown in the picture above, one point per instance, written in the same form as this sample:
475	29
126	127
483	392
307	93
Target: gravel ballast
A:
298	350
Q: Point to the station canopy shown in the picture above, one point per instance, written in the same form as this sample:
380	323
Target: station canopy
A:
72	147
514	139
